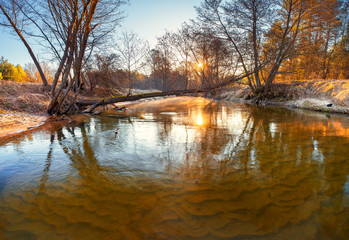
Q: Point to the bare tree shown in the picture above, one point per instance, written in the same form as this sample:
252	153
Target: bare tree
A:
101	70
181	44
33	74
205	58
132	51
244	23
154	60
71	29
164	50
73	20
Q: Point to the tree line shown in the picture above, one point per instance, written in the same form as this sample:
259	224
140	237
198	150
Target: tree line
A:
29	73
254	41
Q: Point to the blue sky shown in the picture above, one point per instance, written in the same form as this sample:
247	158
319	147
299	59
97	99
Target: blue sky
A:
148	18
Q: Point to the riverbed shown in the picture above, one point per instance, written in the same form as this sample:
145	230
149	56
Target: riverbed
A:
179	168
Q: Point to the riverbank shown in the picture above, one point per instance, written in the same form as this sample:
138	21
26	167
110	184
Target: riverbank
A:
13	123
23	105
330	96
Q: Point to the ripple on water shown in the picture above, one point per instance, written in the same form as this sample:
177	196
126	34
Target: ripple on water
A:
191	175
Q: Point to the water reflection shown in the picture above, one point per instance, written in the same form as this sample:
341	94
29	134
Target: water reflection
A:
180	168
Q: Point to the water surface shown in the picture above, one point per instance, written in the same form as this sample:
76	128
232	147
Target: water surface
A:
180	168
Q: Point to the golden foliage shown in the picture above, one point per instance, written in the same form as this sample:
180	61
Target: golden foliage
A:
10	72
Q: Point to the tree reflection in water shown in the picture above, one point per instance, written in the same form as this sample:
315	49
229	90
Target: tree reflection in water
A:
182	168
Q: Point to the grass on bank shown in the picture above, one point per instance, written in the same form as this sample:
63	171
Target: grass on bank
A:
34	98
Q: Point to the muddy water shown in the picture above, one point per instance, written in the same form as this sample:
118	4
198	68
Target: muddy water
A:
181	168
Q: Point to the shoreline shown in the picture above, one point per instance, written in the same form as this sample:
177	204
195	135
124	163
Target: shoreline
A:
308	104
15	123
330	96
327	96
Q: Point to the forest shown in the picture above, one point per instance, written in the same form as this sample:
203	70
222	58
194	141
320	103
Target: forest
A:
250	42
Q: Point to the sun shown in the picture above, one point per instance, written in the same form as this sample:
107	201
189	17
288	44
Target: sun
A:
200	65
199	119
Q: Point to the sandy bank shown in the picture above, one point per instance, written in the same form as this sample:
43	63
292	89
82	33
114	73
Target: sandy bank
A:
22	107
14	123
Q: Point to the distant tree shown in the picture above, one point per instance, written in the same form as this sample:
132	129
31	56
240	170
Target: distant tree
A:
321	32
340	65
182	46
10	72
164	58
329	25
19	74
140	81
6	69
132	51
191	57
33	74
211	58
102	71
154	60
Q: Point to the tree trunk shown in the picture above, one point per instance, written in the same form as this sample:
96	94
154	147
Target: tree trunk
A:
54	100
32	55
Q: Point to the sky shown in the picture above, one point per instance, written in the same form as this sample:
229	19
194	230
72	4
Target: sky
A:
147	18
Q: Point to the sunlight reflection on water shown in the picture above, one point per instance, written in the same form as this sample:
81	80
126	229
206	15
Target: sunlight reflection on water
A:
179	168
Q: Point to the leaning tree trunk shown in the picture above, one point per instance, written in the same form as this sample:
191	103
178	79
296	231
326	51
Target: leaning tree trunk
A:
52	108
77	43
32	55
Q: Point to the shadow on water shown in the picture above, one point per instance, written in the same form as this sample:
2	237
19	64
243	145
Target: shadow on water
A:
180	168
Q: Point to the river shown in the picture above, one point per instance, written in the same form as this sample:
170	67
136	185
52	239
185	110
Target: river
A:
179	168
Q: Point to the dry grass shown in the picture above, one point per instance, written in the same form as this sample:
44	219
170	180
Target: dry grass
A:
335	91
22	106
33	98
23	97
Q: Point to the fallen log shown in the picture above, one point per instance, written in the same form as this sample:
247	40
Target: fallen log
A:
95	103
93	106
